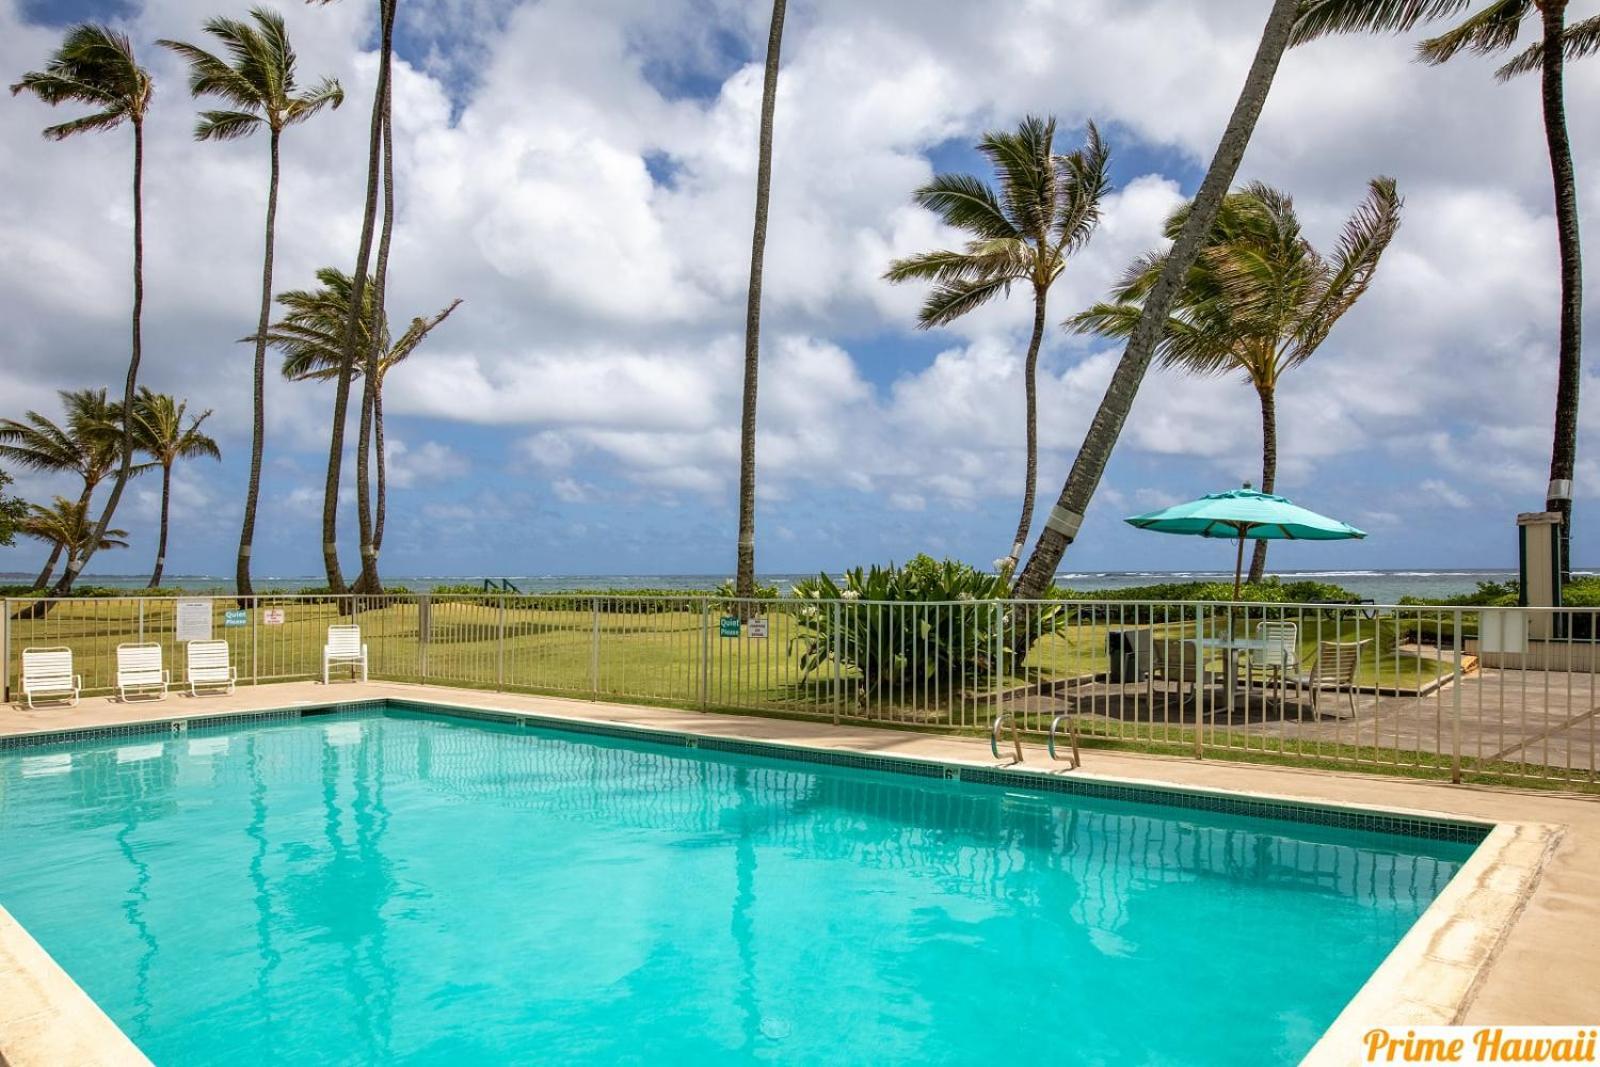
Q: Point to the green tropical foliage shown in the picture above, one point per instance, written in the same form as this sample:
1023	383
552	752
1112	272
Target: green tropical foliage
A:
161	432
878	632
12	511
1045	208
89	445
310	336
65	525
1258	301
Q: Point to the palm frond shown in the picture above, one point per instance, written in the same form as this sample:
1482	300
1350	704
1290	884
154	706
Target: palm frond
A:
1366	235
1084	185
226	125
1494	29
95	65
949	301
1027	180
326	93
966	203
1577	41
1320	18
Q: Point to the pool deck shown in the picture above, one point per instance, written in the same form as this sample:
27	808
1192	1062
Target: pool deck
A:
1514	945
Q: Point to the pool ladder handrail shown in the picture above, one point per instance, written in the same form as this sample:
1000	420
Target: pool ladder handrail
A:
1072	735
994	735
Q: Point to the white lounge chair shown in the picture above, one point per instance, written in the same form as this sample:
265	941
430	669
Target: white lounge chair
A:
139	670
47	672
208	666
344	646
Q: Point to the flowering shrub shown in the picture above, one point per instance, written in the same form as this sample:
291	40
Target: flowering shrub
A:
928	625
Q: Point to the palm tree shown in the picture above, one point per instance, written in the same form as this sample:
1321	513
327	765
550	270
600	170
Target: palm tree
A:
310	336
257	79
1061	526
1259	300
1046	208
160	432
12	511
95	66
376	171
1492	30
89	445
745	566
65	526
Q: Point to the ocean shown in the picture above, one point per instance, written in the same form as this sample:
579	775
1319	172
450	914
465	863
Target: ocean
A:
1384	587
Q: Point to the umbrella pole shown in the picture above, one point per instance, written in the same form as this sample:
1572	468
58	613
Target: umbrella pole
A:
1238	566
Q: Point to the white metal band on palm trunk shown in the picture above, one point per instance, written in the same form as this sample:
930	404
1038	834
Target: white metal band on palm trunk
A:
1064	522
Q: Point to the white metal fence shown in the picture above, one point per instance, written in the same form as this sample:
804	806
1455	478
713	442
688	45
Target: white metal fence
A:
1488	694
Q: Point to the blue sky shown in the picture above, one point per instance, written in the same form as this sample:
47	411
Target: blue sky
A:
581	174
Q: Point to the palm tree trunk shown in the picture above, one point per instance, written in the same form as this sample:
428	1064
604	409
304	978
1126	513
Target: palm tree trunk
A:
247	533
381	462
1030	385
364	510
77	561
1269	467
1089	466
745	572
49	566
161	542
369	582
347	361
1564	448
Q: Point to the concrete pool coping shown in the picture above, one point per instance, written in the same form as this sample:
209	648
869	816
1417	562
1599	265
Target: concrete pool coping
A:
1503	943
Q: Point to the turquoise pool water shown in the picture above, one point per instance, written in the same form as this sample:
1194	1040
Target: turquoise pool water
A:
399	887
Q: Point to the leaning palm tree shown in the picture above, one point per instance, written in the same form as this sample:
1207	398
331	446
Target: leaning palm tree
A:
1492	30
1046	208
95	66
89	445
1258	301
1061	526
311	337
65	526
159	431
745	553
256	80
379	169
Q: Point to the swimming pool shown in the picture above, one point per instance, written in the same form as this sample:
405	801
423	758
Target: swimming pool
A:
393	885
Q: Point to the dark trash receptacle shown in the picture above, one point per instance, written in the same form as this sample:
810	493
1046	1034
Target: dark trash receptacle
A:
1129	651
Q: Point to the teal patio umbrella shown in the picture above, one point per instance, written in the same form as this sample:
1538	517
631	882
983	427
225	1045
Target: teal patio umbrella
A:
1245	514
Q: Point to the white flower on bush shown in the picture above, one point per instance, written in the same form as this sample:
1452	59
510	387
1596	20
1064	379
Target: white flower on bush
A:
810	614
964	595
816	594
1001	564
850	594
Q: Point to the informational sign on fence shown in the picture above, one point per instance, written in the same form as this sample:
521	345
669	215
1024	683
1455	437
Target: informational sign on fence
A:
757	629
237	617
728	626
272	616
194	620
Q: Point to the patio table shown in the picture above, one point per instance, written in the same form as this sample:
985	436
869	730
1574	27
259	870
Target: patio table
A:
1231	647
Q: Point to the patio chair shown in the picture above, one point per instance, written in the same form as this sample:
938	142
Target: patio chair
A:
208	665
1181	662
139	671
47	672
1281	655
1335	666
344	646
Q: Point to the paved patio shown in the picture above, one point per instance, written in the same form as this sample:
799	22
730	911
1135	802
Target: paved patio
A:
1545	722
1541	967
